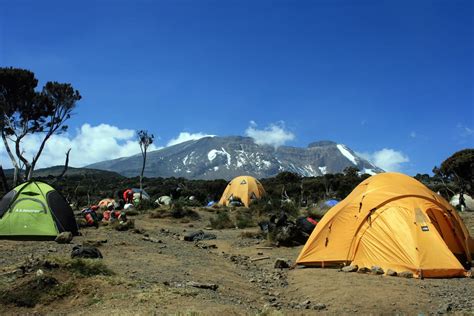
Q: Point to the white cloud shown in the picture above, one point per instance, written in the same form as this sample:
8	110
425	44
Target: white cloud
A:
387	159
185	136
465	131
90	144
274	134
413	134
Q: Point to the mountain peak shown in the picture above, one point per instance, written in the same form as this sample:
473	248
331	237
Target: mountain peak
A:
227	157
322	143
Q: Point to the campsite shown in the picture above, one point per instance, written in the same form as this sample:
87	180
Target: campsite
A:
150	268
209	157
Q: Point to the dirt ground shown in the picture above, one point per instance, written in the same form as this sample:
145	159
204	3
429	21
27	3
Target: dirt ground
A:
152	277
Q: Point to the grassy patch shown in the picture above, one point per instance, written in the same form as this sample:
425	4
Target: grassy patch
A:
83	267
251	235
175	211
30	292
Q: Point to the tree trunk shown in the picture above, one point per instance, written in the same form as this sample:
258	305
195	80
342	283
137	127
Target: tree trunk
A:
141	174
29	173
4	180
66	165
12	158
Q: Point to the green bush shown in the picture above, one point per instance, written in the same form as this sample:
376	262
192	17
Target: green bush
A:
290	208
317	211
144	205
244	218
222	220
262	207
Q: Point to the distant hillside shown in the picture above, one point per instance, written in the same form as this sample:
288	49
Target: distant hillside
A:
56	170
227	157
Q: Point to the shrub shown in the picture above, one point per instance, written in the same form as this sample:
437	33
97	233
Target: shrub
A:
290	208
145	205
316	212
244	218
222	220
261	207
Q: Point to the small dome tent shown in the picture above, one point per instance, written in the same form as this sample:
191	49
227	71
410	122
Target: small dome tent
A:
393	221
35	210
331	203
245	188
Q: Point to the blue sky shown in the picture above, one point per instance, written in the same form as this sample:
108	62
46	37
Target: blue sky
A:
390	79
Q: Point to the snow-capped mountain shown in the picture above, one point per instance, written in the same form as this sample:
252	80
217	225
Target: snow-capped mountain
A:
227	157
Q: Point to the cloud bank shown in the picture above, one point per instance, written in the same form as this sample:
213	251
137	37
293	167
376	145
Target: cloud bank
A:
387	159
274	134
90	144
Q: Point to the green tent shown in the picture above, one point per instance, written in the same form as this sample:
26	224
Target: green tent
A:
35	210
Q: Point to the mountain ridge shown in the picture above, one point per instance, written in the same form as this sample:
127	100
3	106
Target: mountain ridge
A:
226	157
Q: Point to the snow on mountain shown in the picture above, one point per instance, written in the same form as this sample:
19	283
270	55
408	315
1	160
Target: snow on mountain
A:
343	149
227	157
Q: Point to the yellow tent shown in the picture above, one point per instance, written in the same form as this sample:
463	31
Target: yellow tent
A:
246	188
393	221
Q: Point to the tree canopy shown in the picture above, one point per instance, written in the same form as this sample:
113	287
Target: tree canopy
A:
25	111
459	168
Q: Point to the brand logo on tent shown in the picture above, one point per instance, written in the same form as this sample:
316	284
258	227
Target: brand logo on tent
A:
425	228
21	210
243	182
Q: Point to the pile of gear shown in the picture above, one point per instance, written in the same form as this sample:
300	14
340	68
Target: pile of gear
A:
283	231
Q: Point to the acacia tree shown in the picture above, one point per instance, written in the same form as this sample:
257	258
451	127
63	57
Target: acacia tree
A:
458	168
144	140
25	111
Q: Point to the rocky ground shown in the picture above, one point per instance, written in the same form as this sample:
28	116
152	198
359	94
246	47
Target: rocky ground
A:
156	272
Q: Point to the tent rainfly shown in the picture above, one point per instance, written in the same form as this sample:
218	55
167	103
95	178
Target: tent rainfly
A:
35	210
245	188
393	221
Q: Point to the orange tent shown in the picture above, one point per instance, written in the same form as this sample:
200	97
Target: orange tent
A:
246	188
393	221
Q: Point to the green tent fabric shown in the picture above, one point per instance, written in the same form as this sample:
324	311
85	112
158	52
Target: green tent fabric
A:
35	210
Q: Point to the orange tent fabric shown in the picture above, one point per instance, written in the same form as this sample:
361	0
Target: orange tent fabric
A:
393	221
246	188
105	202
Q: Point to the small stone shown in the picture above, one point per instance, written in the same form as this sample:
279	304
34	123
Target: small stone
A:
39	273
363	270
321	306
64	238
52	249
390	272
281	264
353	268
406	274
377	270
209	286
307	302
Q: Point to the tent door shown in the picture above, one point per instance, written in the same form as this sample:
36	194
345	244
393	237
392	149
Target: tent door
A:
447	230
